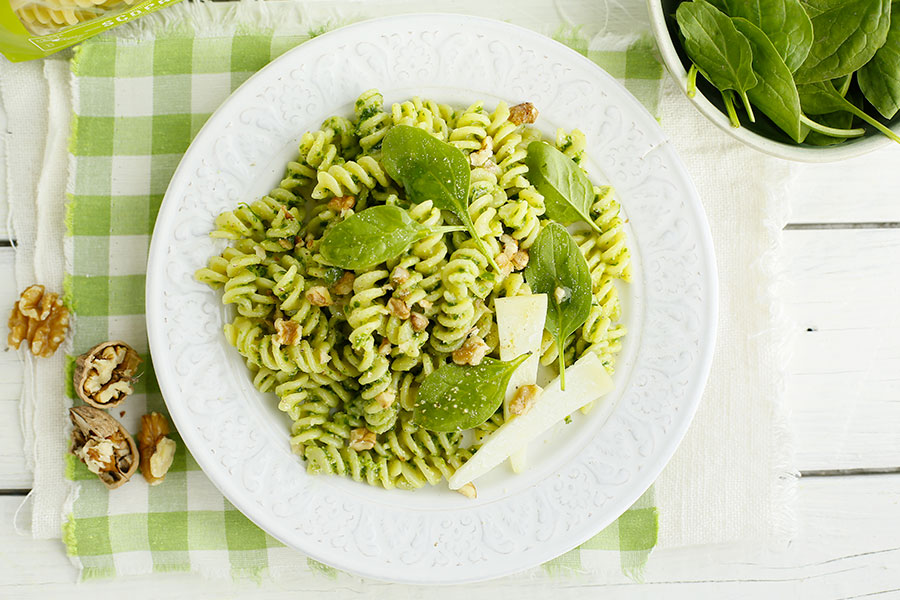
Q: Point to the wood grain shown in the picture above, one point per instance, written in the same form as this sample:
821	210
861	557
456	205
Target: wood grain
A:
846	548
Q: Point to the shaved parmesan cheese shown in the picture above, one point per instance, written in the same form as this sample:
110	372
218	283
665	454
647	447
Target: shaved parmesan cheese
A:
586	381
520	324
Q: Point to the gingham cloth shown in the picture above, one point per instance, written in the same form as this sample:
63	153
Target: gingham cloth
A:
138	99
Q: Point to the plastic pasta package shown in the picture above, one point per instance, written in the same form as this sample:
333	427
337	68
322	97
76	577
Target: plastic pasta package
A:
32	29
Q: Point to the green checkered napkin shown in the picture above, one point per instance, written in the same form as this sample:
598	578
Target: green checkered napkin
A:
137	105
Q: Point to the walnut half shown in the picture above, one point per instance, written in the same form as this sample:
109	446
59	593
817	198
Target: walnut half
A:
157	450
103	445
41	319
105	373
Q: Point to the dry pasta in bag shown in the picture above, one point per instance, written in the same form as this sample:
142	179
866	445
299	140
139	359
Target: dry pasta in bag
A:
32	29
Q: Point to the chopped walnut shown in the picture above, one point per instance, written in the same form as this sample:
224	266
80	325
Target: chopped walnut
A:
523	113
520	260
341	204
362	439
287	333
523	399
310	241
477	159
510	245
399	276
468	491
344	285
287	213
385	347
472	352
103	445
318	296
41	319
504	263
418	321
560	294
104	374
157	450
285	243
426	304
398	308
386	398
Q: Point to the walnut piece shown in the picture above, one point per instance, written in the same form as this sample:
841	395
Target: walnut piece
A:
344	285
398	308
386	398
478	158
472	352
341	204
104	374
384	348
399	276
157	450
523	113
418	321
286	243
468	491
523	399
560	294
318	295
504	263
287	333
510	245
103	445
520	260
40	318
362	439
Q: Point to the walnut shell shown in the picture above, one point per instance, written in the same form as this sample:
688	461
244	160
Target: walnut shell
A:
105	373
104	445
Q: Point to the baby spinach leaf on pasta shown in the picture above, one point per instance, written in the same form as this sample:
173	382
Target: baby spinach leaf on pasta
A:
879	79
846	35
775	94
567	191
557	268
373	236
722	54
430	169
784	22
457	397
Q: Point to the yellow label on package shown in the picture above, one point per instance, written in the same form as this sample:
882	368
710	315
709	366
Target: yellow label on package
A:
32	29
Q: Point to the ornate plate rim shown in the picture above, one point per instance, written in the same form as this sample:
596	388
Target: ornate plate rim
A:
227	483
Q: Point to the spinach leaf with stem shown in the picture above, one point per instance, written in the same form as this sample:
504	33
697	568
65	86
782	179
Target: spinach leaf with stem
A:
784	22
373	236
821	98
722	54
557	268
457	397
429	169
879	79
775	94
846	35
567	191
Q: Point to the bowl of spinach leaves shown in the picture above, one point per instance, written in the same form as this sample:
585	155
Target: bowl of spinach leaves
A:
808	80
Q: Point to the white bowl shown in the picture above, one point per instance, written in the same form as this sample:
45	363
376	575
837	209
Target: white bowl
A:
873	140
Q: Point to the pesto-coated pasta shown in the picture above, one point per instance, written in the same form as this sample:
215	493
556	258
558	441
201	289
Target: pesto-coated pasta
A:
346	351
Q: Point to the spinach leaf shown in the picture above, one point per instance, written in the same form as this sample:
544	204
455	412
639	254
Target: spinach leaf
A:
373	236
775	94
879	79
457	397
557	268
846	35
821	98
429	169
721	53
837	120
567	191
784	22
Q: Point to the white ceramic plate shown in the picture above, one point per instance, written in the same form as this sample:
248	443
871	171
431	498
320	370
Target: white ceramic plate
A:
583	475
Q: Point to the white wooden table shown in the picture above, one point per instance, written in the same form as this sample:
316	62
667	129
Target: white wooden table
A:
843	262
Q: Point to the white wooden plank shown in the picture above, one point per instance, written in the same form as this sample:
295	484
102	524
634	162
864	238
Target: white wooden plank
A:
12	467
4	205
845	374
861	190
847	546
